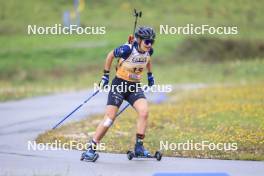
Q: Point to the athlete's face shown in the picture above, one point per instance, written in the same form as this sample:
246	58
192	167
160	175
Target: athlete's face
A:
145	45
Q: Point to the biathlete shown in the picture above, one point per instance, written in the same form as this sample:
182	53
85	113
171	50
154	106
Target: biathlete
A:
133	59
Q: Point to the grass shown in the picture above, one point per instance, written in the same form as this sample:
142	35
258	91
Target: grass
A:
115	14
249	71
219	114
36	65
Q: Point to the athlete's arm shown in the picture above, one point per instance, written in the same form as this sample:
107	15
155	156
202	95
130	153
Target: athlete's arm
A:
151	80
149	66
108	61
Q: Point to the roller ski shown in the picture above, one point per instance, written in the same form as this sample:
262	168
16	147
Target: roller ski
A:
90	155
141	152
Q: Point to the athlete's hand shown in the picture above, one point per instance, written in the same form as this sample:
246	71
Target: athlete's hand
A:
104	80
151	80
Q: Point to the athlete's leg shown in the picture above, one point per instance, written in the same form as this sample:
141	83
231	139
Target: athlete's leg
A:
141	106
108	120
114	101
110	115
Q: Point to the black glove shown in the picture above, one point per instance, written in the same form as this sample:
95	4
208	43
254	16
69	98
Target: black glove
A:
151	80
105	79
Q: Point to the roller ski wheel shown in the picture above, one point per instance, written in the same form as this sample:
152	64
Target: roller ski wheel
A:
93	158
158	155
131	155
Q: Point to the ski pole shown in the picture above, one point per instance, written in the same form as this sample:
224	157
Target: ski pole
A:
122	110
78	107
137	14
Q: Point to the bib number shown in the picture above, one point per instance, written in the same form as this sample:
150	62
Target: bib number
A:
138	70
134	76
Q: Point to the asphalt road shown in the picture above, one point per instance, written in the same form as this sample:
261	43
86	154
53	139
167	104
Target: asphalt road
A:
23	120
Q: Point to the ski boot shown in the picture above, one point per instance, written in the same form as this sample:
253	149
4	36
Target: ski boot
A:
141	152
90	154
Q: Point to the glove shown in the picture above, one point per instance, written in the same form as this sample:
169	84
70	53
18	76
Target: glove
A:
105	79
151	80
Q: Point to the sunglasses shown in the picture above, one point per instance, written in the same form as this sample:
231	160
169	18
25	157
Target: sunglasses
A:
149	41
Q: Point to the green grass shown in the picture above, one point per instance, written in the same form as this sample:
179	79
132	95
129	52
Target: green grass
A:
219	114
31	65
116	14
249	71
35	65
225	72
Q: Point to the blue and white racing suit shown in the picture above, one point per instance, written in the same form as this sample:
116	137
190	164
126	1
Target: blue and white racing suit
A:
131	65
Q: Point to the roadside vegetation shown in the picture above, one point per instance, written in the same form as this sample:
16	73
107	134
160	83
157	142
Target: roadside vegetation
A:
33	65
220	114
